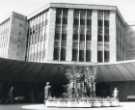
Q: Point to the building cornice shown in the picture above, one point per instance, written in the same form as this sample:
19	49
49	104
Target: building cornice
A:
78	6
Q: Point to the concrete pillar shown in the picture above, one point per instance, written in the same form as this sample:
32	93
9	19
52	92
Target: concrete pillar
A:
112	34
51	17
69	36
94	36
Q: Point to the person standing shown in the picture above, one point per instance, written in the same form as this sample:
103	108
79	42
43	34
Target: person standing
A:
115	93
11	94
46	91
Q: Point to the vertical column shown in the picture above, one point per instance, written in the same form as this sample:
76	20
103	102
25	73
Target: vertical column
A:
69	35
94	36
50	34
9	34
103	36
112	34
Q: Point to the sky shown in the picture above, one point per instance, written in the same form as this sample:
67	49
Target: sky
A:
126	7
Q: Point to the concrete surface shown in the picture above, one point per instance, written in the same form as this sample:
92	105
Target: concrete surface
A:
124	106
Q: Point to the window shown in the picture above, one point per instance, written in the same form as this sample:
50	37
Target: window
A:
100	38
63	36
81	55
100	56
88	37
74	55
56	54
57	36
63	54
82	37
88	55
106	38
106	57
60	34
106	23
64	20
100	23
75	36
76	21
82	21
88	22
58	20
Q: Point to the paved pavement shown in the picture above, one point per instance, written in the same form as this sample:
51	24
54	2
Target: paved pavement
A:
124	106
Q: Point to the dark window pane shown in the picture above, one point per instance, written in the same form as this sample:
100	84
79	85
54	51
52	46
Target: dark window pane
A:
106	56
106	38
81	55
58	20
100	23
64	20
57	36
106	23
82	21
63	36
76	22
88	37
88	22
100	56
88	55
56	54
89	14
58	12
100	38
82	37
63	54
75	37
76	13
65	12
100	30
74	55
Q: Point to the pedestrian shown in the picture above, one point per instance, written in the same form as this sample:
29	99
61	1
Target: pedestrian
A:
46	91
115	93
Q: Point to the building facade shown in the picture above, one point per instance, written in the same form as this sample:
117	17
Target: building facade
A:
13	36
85	33
79	35
66	32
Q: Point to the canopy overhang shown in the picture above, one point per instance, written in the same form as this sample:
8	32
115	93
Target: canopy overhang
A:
12	70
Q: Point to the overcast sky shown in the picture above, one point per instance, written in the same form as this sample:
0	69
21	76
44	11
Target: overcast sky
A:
126	7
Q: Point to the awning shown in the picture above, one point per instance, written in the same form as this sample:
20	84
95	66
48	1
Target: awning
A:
12	70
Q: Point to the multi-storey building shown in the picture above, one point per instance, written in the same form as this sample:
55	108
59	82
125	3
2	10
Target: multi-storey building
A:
81	36
77	33
66	32
13	35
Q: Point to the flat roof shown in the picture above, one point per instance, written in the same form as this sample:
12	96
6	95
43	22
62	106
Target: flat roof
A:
77	6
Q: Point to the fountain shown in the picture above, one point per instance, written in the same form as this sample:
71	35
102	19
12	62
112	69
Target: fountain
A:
81	90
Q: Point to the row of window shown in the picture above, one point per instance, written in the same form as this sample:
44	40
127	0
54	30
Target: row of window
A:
121	48
37	34
4	36
37	56
81	34
4	26
81	55
60	35
100	56
103	26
